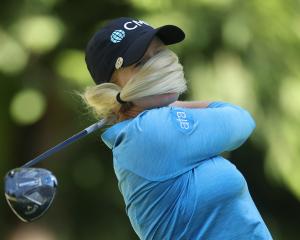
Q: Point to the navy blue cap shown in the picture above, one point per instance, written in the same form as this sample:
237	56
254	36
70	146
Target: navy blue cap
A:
123	42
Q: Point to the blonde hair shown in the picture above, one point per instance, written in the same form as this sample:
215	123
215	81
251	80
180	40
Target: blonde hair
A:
161	74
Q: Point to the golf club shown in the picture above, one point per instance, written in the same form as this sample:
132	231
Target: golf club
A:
30	191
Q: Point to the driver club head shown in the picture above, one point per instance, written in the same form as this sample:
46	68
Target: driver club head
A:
29	192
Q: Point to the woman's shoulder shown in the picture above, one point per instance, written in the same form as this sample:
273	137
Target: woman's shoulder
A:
167	119
161	112
151	122
140	123
156	116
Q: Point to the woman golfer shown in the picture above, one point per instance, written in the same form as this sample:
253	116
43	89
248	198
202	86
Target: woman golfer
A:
166	153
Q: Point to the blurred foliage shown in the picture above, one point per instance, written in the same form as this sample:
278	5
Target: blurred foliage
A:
244	52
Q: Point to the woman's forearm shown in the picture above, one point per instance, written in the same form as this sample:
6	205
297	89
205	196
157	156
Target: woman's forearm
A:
191	104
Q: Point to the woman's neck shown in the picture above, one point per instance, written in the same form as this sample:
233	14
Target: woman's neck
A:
129	112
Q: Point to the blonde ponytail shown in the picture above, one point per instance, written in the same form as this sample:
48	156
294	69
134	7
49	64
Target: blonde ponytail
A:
161	74
102	100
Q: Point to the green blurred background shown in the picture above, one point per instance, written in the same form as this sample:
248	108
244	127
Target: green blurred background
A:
244	52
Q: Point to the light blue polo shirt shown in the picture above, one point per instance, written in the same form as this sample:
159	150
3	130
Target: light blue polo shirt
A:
173	180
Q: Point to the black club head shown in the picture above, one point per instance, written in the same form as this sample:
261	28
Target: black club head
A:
29	192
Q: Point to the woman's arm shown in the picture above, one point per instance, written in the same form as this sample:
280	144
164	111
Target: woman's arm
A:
222	126
167	147
190	104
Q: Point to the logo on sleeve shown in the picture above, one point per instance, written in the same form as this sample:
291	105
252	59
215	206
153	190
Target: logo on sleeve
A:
183	120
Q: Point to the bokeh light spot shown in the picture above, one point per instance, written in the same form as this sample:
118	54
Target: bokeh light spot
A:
71	66
27	106
226	78
214	3
13	58
152	5
236	33
39	33
289	97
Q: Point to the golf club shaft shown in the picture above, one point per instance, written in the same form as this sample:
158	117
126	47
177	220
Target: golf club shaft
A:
65	143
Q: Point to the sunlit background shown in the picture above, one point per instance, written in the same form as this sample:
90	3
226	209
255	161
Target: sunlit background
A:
244	52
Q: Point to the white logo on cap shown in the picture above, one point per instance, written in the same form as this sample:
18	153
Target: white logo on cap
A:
119	63
117	36
134	24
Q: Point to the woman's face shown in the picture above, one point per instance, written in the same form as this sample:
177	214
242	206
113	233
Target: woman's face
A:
122	75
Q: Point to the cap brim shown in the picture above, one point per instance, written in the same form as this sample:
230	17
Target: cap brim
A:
168	34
